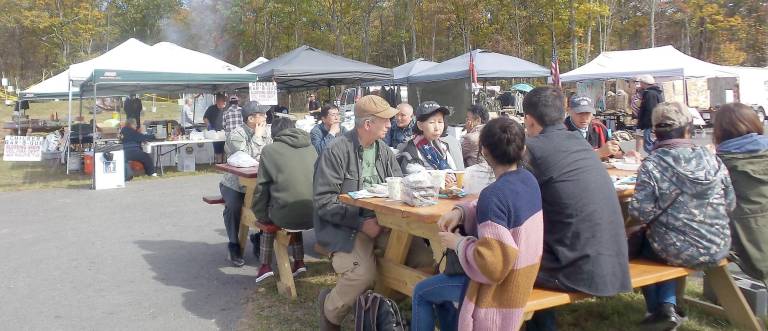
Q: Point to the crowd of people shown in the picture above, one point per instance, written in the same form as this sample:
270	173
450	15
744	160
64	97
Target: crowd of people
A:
551	219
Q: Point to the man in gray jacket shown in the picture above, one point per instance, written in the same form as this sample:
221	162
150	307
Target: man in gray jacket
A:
353	161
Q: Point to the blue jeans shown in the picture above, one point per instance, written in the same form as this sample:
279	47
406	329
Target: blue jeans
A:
648	140
659	293
436	295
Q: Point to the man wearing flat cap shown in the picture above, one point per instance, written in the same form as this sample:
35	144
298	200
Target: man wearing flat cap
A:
354	161
250	138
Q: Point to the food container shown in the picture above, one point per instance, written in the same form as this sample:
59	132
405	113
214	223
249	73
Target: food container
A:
419	190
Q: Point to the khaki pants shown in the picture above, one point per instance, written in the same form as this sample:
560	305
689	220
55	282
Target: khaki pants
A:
357	272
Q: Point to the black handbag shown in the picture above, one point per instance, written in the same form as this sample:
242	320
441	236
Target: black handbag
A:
452	263
636	234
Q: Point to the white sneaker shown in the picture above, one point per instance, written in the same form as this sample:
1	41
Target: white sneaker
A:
154	175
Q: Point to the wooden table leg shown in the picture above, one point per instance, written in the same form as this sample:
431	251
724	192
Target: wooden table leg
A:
398	245
285	283
731	299
246	215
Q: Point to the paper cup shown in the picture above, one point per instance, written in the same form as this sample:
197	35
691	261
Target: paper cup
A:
438	178
459	178
394	187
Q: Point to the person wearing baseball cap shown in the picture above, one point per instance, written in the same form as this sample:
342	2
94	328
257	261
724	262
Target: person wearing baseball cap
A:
354	161
581	119
428	150
250	137
684	194
651	96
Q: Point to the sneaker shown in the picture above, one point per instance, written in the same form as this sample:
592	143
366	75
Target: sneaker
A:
235	256
298	267
264	272
154	175
665	319
325	324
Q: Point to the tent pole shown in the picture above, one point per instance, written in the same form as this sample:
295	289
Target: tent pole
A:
93	139
685	90
69	124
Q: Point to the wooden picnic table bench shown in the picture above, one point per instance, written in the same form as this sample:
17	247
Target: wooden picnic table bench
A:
248	178
406	222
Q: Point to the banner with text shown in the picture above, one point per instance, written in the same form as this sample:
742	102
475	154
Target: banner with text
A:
265	93
23	148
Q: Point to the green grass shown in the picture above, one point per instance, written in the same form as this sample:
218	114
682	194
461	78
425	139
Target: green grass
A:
267	310
17	176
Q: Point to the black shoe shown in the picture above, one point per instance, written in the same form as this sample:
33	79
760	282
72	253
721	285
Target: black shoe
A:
255	240
235	256
665	319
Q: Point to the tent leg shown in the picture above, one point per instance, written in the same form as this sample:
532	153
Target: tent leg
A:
93	139
69	126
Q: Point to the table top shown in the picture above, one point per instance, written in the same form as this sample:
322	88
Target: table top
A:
250	172
621	173
429	214
180	142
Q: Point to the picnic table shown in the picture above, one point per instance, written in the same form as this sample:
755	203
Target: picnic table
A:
286	285
406	222
248	177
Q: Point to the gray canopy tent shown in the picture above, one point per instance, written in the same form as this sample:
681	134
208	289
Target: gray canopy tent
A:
402	73
308	68
449	83
488	65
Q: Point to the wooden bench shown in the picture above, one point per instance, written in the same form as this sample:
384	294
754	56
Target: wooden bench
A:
644	272
286	286
213	199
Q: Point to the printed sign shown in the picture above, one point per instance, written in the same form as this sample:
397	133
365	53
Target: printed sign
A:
265	93
23	148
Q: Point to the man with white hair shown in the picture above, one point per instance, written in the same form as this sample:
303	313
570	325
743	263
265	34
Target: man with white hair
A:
402	126
652	96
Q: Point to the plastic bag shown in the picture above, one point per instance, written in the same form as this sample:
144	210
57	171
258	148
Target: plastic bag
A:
419	190
477	177
241	159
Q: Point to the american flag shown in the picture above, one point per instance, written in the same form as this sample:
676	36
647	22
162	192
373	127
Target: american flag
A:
472	70
554	68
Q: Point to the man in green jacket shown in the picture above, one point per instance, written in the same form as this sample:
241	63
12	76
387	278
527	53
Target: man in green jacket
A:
352	162
285	192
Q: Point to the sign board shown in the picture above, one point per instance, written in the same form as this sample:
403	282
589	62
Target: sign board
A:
265	93
23	148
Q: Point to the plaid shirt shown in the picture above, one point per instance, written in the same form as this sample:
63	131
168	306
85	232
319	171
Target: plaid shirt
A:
233	118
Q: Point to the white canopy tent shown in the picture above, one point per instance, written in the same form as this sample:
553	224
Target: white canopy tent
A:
255	63
56	87
664	63
134	67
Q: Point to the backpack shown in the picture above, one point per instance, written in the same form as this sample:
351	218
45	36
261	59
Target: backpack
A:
375	312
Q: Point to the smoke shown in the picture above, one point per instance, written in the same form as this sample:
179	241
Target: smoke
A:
201	25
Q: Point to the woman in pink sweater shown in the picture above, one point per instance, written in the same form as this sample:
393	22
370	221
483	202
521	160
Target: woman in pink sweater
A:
501	254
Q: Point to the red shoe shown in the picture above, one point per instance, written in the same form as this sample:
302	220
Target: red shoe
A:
298	267
264	272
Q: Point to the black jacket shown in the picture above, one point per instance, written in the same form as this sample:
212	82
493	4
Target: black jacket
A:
338	171
132	139
652	96
585	245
